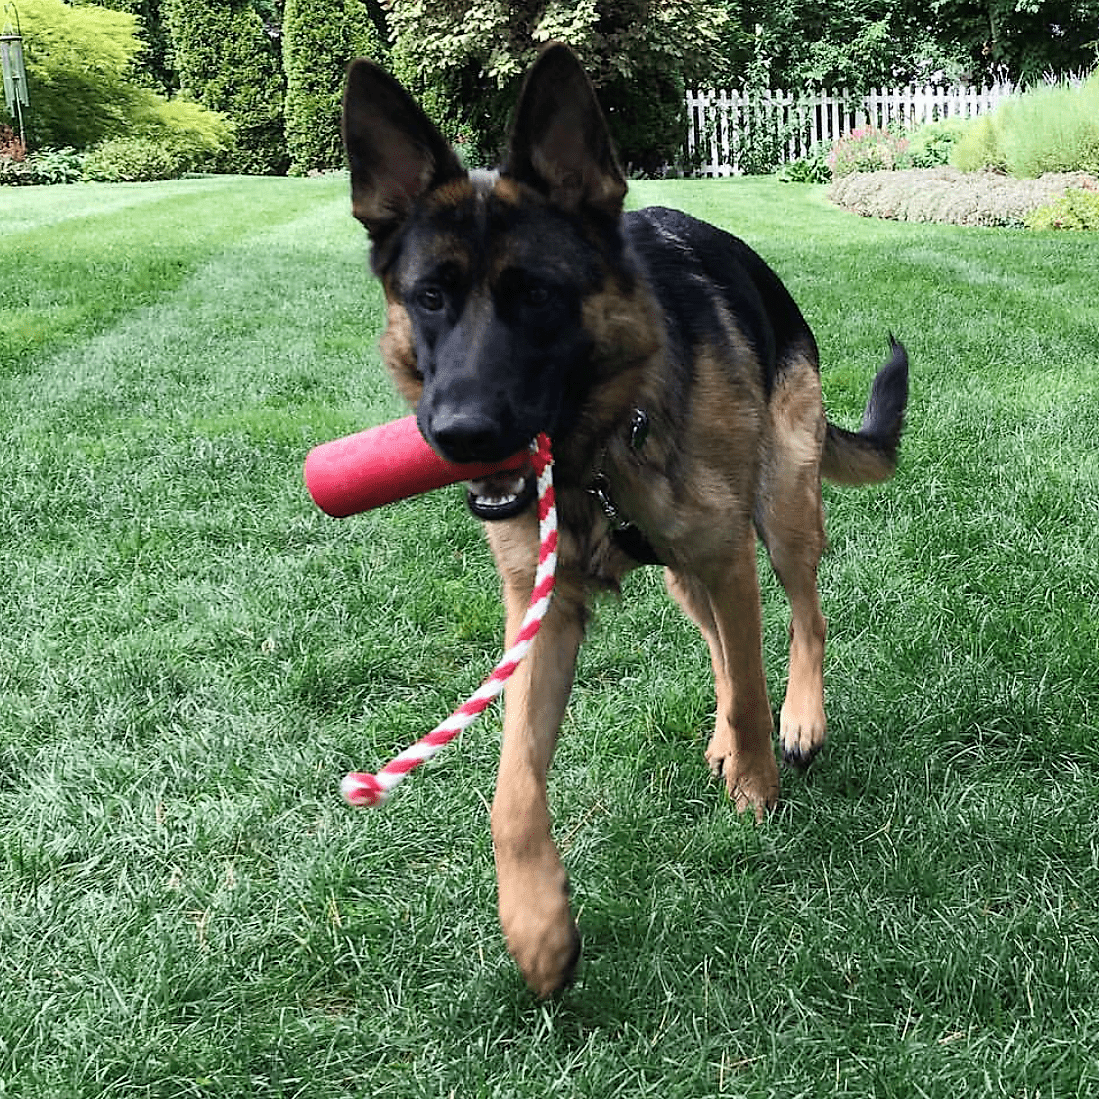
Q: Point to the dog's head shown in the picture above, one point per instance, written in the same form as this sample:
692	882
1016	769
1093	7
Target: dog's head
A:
488	276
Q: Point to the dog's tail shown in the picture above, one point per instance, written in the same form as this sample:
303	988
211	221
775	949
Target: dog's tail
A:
870	454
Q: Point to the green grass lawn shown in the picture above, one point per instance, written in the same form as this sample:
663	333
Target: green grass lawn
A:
191	656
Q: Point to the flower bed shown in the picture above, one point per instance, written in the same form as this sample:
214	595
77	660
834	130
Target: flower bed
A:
957	198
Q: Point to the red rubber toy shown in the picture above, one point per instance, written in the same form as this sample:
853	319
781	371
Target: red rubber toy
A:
383	464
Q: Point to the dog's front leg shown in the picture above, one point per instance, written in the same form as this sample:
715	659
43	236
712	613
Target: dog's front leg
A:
533	888
725	605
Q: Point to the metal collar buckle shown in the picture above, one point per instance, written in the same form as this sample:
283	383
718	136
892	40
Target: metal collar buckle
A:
600	486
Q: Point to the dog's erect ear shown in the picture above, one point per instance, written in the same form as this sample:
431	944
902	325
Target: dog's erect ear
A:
394	151
560	144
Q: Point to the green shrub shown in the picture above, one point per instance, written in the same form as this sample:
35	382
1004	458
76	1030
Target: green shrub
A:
227	61
930	145
1054	129
41	167
79	72
319	40
195	137
1077	208
867	149
812	168
131	160
167	139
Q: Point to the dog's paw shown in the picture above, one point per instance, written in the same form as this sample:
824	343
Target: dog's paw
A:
540	932
751	781
802	733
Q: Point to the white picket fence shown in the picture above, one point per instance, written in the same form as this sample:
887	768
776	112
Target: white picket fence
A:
726	128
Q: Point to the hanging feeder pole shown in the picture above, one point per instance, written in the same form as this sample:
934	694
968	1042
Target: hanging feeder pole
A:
14	70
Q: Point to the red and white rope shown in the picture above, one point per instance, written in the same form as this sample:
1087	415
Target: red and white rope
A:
364	789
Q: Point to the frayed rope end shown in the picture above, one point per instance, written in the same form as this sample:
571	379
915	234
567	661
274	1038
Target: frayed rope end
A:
362	789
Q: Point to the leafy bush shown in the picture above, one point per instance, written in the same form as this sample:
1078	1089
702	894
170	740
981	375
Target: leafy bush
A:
227	61
195	137
168	138
807	169
930	145
950	196
1075	209
980	146
131	160
1054	128
43	166
867	149
79	71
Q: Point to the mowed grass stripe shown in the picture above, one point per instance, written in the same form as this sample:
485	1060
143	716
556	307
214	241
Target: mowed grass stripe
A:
78	266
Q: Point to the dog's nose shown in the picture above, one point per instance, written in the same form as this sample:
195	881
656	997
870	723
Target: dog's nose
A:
466	435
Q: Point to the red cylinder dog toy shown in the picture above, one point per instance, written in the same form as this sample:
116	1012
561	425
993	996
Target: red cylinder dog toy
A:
383	464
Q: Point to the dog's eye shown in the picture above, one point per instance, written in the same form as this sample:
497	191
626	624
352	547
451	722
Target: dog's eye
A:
430	299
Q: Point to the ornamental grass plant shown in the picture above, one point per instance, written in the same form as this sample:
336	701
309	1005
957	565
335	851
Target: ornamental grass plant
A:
1051	128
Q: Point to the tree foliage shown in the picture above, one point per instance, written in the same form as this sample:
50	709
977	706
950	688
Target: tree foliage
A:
319	39
468	56
153	63
79	72
874	43
85	85
93	66
1022	40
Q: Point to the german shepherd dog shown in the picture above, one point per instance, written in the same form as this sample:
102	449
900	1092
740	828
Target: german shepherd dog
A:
680	387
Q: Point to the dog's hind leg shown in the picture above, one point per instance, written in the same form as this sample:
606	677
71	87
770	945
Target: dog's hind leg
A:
790	520
726	610
533	888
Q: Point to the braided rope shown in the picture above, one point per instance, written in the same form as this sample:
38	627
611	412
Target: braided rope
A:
364	789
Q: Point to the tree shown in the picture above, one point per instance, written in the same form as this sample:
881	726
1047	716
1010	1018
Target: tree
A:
228	60
465	59
319	39
153	63
871	43
856	44
79	74
1021	40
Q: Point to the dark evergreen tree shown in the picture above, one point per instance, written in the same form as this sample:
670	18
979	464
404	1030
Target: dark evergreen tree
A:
228	59
319	39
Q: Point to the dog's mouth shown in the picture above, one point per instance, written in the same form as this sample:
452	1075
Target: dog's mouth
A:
502	495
